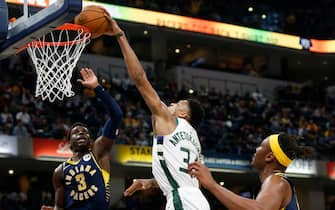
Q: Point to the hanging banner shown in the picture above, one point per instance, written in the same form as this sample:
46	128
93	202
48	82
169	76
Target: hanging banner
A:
331	170
203	26
227	163
300	166
133	154
43	147
8	145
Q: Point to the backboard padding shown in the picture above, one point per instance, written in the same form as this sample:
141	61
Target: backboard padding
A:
4	20
42	22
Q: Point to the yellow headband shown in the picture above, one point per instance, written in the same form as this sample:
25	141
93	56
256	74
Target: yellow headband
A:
277	151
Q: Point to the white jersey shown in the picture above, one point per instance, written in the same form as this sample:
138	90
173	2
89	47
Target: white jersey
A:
171	155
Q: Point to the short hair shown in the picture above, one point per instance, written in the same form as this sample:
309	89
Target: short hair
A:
289	145
75	125
197	112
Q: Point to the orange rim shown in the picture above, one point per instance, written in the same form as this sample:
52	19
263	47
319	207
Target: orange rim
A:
65	26
72	27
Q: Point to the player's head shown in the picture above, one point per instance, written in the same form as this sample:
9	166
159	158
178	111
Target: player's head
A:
79	137
279	150
189	109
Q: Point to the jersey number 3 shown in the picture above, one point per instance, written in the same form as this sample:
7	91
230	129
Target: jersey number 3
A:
186	160
80	178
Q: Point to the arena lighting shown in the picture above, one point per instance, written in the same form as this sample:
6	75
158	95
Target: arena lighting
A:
10	171
149	165
298	175
46	158
250	9
225	170
221	183
204	26
2	155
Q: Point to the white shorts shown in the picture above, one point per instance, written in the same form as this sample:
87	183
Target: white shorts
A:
191	199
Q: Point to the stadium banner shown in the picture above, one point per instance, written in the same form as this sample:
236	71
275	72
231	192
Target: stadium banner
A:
331	170
300	166
197	25
133	154
227	163
8	145
44	147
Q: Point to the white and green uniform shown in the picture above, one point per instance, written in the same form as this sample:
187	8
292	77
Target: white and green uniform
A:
171	155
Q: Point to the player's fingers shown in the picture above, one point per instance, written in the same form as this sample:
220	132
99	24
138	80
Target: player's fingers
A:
81	81
194	165
129	191
83	73
126	193
133	188
194	173
108	17
90	73
106	13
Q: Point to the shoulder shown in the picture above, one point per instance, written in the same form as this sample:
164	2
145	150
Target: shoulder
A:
183	122
58	173
59	168
277	182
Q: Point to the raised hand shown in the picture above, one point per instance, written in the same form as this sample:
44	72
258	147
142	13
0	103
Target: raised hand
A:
113	29
203	174
138	184
89	79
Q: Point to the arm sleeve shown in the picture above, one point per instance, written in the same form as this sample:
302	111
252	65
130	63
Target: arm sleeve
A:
116	116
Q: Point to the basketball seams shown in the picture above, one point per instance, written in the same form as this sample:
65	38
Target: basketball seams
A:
92	20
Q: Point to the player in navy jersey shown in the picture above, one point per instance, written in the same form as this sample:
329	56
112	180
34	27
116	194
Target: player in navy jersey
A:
82	182
271	159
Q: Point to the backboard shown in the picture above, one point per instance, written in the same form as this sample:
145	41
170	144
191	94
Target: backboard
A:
39	17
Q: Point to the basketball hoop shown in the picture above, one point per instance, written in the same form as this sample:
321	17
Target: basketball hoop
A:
54	56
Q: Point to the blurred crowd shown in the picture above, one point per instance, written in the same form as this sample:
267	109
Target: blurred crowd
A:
302	17
234	124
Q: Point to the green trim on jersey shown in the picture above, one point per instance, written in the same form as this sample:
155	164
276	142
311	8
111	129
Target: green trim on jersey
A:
176	198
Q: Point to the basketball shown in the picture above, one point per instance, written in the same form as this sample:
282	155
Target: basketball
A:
93	17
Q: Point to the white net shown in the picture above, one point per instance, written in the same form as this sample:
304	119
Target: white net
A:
54	56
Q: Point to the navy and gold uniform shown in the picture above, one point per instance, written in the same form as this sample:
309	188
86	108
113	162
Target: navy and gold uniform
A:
293	205
86	184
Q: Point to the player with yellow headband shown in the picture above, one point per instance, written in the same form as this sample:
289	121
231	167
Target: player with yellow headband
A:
271	159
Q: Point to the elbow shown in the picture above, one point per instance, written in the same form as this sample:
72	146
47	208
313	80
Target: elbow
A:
118	116
139	78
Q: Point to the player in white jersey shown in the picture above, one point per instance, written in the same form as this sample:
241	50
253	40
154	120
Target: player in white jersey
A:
176	143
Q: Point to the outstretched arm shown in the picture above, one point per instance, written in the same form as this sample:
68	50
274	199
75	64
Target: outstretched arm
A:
137	73
103	144
264	201
140	184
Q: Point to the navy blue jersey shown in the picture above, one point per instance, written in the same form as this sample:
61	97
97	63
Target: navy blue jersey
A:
293	205
86	184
